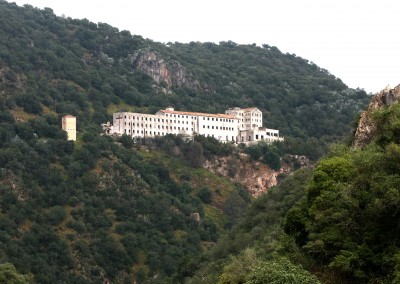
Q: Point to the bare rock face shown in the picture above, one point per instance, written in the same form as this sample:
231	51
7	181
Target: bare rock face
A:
170	73
366	129
256	177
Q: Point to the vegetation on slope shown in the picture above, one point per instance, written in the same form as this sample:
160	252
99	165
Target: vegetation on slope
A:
339	221
95	210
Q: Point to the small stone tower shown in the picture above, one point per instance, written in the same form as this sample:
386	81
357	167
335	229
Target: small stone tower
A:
69	125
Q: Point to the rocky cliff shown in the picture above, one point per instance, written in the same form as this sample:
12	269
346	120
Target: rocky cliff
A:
256	177
170	73
366	129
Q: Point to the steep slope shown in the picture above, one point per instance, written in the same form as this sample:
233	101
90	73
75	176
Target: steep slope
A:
94	211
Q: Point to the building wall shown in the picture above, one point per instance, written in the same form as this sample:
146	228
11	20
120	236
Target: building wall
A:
236	125
69	125
249	118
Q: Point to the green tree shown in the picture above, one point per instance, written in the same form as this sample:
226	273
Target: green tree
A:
280	271
9	275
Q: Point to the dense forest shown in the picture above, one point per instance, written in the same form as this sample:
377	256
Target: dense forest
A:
103	209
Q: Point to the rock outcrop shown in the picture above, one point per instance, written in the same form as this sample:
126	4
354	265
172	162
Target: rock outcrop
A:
256	177
171	73
366	129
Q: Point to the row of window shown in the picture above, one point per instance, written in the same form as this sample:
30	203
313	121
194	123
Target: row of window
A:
137	124
220	119
162	127
192	117
128	131
220	128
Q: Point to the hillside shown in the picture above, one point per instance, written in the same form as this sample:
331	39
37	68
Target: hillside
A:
64	65
100	209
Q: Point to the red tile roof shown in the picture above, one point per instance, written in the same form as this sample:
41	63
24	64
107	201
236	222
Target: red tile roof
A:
218	115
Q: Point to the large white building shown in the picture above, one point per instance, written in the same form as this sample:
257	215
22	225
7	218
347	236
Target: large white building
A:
236	125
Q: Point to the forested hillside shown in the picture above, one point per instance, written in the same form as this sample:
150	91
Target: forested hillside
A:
64	65
101	209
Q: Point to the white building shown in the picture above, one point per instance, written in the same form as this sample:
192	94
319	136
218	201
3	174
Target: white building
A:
236	125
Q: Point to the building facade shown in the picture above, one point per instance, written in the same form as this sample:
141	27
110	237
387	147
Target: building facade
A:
235	125
69	125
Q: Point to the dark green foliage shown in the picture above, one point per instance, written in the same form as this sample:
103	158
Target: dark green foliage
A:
205	195
268	153
126	141
347	222
55	219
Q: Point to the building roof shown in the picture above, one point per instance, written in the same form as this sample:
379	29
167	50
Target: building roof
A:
69	116
218	115
250	108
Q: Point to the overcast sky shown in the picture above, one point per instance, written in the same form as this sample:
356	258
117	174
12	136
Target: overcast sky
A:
357	41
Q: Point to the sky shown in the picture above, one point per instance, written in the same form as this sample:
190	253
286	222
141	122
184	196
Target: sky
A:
356	41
